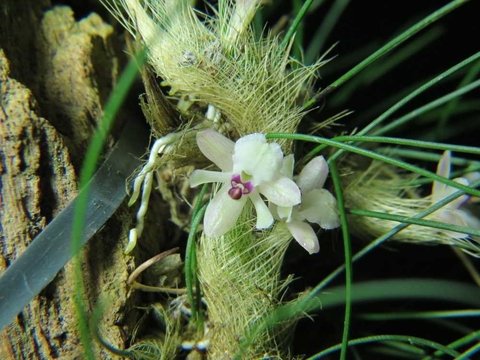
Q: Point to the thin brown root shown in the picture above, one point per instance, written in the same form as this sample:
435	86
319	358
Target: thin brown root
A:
160	289
133	276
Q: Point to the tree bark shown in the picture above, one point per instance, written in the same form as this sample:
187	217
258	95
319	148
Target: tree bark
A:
55	75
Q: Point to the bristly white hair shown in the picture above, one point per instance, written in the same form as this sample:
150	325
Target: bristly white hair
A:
216	60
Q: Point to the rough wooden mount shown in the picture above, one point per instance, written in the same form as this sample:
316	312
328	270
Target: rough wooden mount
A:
55	75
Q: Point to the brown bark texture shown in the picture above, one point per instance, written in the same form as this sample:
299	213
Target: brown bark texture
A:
56	73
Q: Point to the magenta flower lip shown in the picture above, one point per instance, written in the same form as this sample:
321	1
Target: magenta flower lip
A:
239	187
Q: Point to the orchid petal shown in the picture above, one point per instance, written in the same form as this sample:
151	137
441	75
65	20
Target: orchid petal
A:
313	175
449	190
471	220
216	148
287	166
462	198
282	192
458	217
319	206
285	212
222	213
443	169
199	177
304	235
455	217
472	177
281	212
257	158
264	216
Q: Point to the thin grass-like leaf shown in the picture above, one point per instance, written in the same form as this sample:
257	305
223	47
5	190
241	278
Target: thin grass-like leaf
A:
298	40
382	338
395	42
392	44
349	59
316	4
473	336
321	34
380	119
88	168
463	107
465	125
409	142
370	75
191	280
422	222
297	21
421	315
421	89
397	350
452	105
380	240
301	306
375	156
467	355
348	257
394	124
427	156
398	290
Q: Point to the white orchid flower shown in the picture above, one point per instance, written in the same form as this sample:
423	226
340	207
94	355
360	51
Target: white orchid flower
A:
317	206
250	168
452	213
